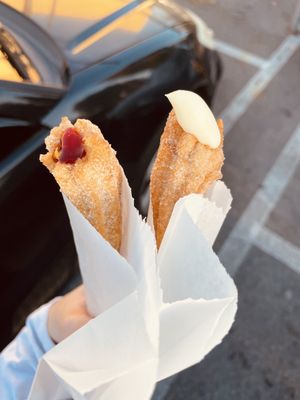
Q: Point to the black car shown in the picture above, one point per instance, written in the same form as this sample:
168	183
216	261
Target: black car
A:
112	67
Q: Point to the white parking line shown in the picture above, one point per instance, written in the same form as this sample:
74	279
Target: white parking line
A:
237	245
239	54
240	103
279	248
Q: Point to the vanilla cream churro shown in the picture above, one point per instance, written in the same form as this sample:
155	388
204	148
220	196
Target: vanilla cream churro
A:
189	158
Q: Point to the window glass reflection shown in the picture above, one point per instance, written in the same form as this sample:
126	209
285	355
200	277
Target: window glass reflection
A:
61	19
15	65
7	71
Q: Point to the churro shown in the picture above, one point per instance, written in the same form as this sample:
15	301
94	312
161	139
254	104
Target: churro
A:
88	173
183	166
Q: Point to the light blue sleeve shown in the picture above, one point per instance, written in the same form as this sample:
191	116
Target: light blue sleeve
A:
19	360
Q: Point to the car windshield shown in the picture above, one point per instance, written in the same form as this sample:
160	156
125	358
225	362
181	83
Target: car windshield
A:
14	63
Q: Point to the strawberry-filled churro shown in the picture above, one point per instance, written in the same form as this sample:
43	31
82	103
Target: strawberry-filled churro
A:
88	173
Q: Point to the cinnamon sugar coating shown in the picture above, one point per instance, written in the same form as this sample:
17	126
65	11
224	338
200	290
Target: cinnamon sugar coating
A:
183	166
92	183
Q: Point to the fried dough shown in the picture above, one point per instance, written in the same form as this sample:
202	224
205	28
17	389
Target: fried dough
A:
183	166
93	182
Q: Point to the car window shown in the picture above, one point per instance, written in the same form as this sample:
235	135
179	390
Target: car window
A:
64	21
15	65
7	70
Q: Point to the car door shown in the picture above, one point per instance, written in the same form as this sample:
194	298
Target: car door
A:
33	222
37	253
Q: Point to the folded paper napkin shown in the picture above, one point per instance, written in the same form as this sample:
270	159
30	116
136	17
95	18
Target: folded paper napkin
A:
155	313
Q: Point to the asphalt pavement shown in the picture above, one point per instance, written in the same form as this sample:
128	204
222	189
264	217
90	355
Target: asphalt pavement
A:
259	100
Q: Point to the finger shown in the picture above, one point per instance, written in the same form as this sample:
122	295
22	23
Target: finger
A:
77	322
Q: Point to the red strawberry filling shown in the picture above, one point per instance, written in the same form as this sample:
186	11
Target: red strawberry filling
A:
71	146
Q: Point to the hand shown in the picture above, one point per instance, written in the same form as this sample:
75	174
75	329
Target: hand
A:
67	315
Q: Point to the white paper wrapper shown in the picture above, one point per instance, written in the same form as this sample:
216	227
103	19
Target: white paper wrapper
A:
155	315
199	296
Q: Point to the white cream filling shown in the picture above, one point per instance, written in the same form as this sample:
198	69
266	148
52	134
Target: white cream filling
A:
195	117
